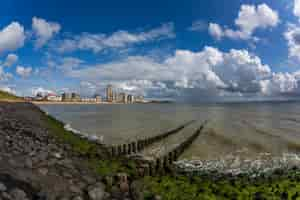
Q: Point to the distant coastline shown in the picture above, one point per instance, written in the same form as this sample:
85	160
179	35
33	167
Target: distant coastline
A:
94	103
71	103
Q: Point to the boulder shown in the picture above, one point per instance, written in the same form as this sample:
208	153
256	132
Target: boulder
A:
97	192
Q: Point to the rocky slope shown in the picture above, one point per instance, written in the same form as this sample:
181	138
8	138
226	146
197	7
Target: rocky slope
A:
33	165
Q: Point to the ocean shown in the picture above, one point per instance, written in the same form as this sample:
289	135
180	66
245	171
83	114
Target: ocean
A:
238	136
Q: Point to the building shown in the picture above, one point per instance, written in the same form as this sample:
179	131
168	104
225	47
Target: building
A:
130	98
75	97
66	97
122	98
53	97
98	98
89	100
139	99
109	93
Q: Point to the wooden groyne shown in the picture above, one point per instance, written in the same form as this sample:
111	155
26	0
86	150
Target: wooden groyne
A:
165	163
137	146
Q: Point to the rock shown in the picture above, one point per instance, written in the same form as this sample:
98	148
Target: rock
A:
57	155
5	195
77	198
124	187
18	194
2	187
75	189
43	171
157	197
28	163
137	190
97	192
116	192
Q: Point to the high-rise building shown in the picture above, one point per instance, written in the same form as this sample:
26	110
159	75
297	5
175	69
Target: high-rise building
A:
130	98
66	97
75	97
109	93
122	98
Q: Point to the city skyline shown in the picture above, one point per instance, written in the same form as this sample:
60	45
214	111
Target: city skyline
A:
196	51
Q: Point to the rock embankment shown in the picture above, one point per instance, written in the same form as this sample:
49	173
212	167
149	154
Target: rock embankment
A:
34	166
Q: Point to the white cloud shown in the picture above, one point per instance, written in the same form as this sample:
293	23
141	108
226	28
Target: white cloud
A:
119	39
41	90
12	37
210	71
23	71
199	26
216	31
297	8
250	18
44	30
87	85
10	60
280	83
4	76
292	35
7	89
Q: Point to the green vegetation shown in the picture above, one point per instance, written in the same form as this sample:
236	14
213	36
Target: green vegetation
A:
96	154
196	188
8	96
79	145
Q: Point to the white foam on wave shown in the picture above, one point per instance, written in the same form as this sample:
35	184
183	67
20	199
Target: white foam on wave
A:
90	137
235	165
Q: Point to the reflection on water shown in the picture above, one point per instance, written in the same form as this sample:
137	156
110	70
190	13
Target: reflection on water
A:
236	135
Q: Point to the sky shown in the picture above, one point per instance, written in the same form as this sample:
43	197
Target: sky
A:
185	50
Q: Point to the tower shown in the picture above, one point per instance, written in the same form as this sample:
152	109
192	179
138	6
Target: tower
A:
109	93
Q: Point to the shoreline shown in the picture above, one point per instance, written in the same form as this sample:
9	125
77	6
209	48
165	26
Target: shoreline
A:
72	103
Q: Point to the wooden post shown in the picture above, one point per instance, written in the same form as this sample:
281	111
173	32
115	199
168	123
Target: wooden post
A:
134	147
124	149
151	169
113	150
129	149
170	158
119	150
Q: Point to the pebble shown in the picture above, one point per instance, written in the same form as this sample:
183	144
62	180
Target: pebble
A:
2	187
18	194
97	192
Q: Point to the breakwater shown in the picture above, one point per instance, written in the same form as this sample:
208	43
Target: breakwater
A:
164	163
137	146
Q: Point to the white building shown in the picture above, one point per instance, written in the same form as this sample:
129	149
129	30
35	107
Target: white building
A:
53	97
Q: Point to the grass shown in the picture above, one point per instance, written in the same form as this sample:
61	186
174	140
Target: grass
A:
8	96
285	186
95	154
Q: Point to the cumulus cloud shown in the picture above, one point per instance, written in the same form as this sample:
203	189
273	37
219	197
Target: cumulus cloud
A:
279	84
41	90
4	76
292	35
250	18
11	59
44	30
12	37
198	26
216	31
7	89
210	71
119	39
23	71
297	8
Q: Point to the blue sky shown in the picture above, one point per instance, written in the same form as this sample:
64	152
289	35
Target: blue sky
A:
199	50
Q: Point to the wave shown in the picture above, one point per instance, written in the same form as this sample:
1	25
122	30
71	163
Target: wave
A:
90	137
235	165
